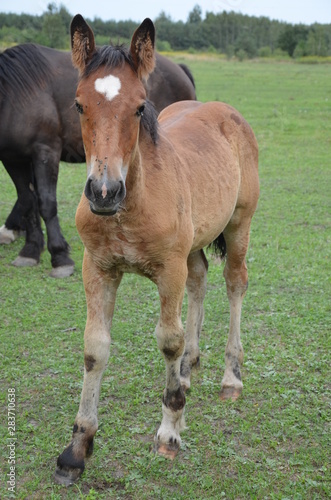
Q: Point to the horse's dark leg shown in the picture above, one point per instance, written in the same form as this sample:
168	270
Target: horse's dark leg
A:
15	219
171	342
196	290
100	290
236	235
46	169
26	213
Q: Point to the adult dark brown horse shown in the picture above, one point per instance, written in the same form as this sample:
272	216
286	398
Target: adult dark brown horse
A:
39	127
158	191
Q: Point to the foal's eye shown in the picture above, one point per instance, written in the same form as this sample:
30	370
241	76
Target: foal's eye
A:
79	107
140	110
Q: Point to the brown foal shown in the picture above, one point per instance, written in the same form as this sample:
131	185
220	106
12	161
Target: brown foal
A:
158	191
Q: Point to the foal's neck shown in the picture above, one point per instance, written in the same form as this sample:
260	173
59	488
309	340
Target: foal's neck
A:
135	181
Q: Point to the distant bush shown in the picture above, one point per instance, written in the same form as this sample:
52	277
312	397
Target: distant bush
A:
211	49
230	51
280	54
163	46
242	54
265	52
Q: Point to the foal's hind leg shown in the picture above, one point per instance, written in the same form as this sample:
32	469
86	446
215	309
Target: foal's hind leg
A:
196	290
235	272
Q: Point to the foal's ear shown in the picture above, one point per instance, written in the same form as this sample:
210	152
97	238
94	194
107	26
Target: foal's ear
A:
82	42
142	49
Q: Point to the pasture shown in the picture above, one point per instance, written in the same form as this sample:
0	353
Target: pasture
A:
273	442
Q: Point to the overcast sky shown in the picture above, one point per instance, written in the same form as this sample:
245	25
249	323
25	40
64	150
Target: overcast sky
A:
292	11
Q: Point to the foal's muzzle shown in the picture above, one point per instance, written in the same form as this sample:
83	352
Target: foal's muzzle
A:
104	196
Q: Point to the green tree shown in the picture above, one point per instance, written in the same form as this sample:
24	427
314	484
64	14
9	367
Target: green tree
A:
291	36
195	16
246	43
53	28
317	41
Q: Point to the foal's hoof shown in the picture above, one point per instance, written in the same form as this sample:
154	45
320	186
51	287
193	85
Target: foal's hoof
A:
66	476
230	393
62	271
167	450
24	262
69	468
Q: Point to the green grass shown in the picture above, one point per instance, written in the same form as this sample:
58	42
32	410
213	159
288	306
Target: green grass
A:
273	443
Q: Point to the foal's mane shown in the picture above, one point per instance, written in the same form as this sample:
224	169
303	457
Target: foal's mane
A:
23	71
112	56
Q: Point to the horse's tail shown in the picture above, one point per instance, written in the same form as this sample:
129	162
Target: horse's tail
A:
188	73
219	246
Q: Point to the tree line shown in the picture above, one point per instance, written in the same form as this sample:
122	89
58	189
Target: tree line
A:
225	32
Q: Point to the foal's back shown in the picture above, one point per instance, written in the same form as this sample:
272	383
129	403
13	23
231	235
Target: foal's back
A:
218	156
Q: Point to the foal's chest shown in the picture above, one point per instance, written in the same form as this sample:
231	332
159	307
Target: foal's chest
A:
118	247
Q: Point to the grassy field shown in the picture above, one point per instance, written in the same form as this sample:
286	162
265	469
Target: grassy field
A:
274	442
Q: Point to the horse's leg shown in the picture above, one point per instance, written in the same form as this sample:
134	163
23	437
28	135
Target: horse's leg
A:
171	342
100	298
26	209
236	236
46	168
196	290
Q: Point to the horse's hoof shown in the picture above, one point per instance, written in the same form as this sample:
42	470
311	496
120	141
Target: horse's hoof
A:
7	236
24	262
66	476
62	271
230	393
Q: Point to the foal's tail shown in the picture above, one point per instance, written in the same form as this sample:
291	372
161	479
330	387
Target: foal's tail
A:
219	246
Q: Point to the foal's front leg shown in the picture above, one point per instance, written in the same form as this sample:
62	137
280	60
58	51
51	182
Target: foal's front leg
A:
100	293
171	342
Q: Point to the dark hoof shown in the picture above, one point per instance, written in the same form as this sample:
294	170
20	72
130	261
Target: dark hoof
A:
230	393
24	262
62	271
67	476
69	468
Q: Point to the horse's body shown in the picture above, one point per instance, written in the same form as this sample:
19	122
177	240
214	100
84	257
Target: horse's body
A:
39	127
157	193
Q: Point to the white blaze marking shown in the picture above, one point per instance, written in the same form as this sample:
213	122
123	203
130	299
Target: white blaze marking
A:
109	86
104	191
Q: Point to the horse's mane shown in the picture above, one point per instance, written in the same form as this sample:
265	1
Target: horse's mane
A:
112	56
23	71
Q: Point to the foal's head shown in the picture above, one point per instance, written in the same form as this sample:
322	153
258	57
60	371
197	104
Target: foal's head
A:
111	101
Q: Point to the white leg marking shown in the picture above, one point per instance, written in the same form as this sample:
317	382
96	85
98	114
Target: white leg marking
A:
172	423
